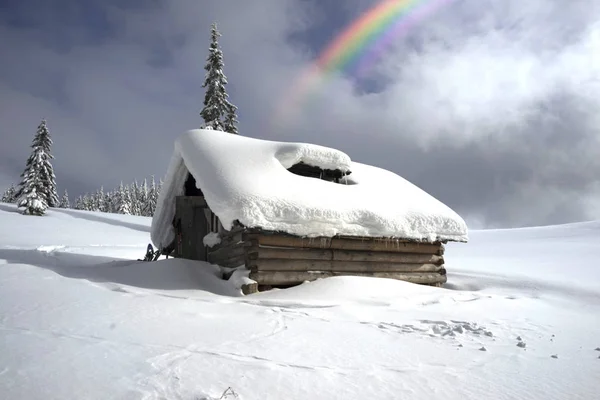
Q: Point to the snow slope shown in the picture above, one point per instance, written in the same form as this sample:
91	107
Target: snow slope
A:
80	319
246	179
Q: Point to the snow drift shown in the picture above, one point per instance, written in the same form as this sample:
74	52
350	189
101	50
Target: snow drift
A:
247	179
81	319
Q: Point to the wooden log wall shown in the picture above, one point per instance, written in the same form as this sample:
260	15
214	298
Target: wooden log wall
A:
279	260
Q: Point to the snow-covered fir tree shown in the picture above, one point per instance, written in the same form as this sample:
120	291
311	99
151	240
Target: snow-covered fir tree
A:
39	163
122	200
78	203
142	198
135	201
108	202
88	202
64	200
218	113
37	189
151	198
9	196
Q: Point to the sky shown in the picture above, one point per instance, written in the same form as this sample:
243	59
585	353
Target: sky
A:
493	107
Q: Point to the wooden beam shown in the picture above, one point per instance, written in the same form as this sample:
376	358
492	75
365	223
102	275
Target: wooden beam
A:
343	255
368	244
281	278
338	266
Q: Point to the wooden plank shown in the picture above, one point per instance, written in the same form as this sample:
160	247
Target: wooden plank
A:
385	256
370	244
338	266
291	253
344	255
281	278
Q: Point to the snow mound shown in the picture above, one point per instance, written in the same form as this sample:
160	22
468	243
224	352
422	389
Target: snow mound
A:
247	179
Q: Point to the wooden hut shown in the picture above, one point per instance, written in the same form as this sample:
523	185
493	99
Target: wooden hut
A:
280	254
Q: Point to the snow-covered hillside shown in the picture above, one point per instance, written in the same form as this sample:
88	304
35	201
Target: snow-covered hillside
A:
81	319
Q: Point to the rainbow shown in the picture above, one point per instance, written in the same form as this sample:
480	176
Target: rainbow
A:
358	48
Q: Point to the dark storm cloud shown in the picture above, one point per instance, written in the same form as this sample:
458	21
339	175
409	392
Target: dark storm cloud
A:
490	106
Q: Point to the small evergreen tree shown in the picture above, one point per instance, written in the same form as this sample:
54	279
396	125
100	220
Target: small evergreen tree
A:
108	202
64	200
135	206
79	203
9	195
87	203
151	199
216	104
143	198
123	200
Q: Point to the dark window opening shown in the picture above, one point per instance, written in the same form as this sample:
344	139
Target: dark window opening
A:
310	171
190	187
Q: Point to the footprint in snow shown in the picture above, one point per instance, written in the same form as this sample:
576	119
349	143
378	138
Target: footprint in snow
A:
554	356
521	345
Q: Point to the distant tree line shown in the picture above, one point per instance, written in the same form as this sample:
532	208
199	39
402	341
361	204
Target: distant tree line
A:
133	199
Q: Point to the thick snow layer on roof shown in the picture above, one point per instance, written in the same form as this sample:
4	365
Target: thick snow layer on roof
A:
247	179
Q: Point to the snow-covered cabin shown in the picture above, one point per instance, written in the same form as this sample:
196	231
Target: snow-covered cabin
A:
292	212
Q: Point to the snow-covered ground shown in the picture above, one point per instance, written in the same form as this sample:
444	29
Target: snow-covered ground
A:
81	319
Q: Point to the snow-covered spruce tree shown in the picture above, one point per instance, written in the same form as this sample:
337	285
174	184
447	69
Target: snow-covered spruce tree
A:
135	206
217	107
9	195
41	154
108	202
78	203
151	198
88	202
122	200
64	200
143	197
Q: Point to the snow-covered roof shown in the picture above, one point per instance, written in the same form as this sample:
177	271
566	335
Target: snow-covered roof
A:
247	179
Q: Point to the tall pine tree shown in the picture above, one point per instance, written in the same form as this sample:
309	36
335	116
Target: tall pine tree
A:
39	165
218	113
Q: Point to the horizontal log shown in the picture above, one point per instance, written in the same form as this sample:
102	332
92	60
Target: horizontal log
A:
284	278
343	255
367	244
338	266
